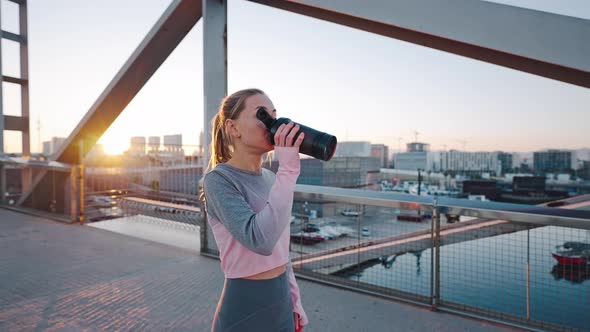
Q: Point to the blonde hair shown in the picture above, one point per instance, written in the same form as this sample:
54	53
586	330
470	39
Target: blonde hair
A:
230	108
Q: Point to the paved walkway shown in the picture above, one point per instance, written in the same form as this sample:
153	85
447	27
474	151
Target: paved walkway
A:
60	277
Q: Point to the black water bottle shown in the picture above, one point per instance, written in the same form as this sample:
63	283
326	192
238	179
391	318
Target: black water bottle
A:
315	143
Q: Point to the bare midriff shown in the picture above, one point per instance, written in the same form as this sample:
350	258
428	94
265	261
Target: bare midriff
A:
272	273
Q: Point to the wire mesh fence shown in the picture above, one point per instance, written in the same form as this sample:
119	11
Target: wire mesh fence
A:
159	185
520	273
532	273
16	179
361	245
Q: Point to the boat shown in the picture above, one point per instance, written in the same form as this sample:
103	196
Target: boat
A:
576	274
572	253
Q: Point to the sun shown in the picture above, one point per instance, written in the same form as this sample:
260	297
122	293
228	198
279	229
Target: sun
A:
114	145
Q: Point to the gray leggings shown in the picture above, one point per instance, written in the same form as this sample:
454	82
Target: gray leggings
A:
255	305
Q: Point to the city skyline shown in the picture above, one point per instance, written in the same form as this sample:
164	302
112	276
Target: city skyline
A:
451	101
584	152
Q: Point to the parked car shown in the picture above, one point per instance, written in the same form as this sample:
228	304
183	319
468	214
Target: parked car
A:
306	238
350	213
310	228
365	231
452	218
326	235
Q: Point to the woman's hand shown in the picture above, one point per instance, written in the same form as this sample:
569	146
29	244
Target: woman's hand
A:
285	135
298	328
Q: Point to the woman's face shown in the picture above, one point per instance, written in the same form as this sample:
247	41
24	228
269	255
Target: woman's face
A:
253	134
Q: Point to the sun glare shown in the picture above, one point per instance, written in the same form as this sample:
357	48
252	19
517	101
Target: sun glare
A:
114	146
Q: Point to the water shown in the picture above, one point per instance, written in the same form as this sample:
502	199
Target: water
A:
490	274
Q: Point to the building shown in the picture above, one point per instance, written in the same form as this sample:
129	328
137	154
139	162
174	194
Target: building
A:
353	149
154	143
417	147
506	162
173	144
552	161
51	147
381	152
201	151
480	187
470	162
417	156
96	153
527	185
137	148
582	154
412	161
344	172
584	170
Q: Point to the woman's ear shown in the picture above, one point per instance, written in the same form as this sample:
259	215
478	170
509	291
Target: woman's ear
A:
232	129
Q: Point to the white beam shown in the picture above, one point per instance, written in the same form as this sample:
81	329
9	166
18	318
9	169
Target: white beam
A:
214	62
161	40
24	88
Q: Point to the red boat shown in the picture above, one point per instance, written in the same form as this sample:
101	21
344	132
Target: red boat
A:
573	253
567	259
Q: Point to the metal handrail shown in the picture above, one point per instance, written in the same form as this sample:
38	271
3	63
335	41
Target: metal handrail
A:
537	215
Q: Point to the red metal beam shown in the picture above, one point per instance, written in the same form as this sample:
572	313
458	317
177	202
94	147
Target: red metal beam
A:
433	40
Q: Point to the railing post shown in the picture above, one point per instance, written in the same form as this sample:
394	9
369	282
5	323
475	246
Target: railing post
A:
432	245
81	184
528	275
203	228
74	204
3	183
358	246
435	274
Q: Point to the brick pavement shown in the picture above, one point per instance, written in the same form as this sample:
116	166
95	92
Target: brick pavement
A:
60	277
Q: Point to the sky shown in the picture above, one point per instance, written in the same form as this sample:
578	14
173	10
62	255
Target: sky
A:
353	84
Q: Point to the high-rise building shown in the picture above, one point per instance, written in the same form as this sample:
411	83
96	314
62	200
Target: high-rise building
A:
201	143
173	143
154	143
470	161
412	161
418	156
552	161
505	161
52	146
381	152
417	147
353	149
137	148
344	172
47	148
584	170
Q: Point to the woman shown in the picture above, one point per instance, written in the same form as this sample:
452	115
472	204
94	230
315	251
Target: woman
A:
249	211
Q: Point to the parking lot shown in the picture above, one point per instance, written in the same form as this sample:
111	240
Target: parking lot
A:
379	221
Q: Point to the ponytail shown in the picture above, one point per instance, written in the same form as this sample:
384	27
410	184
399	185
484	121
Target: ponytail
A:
220	150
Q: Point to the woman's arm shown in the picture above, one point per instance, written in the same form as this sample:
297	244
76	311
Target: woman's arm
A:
296	297
260	231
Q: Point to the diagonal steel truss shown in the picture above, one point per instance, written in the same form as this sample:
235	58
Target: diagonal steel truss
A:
540	43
